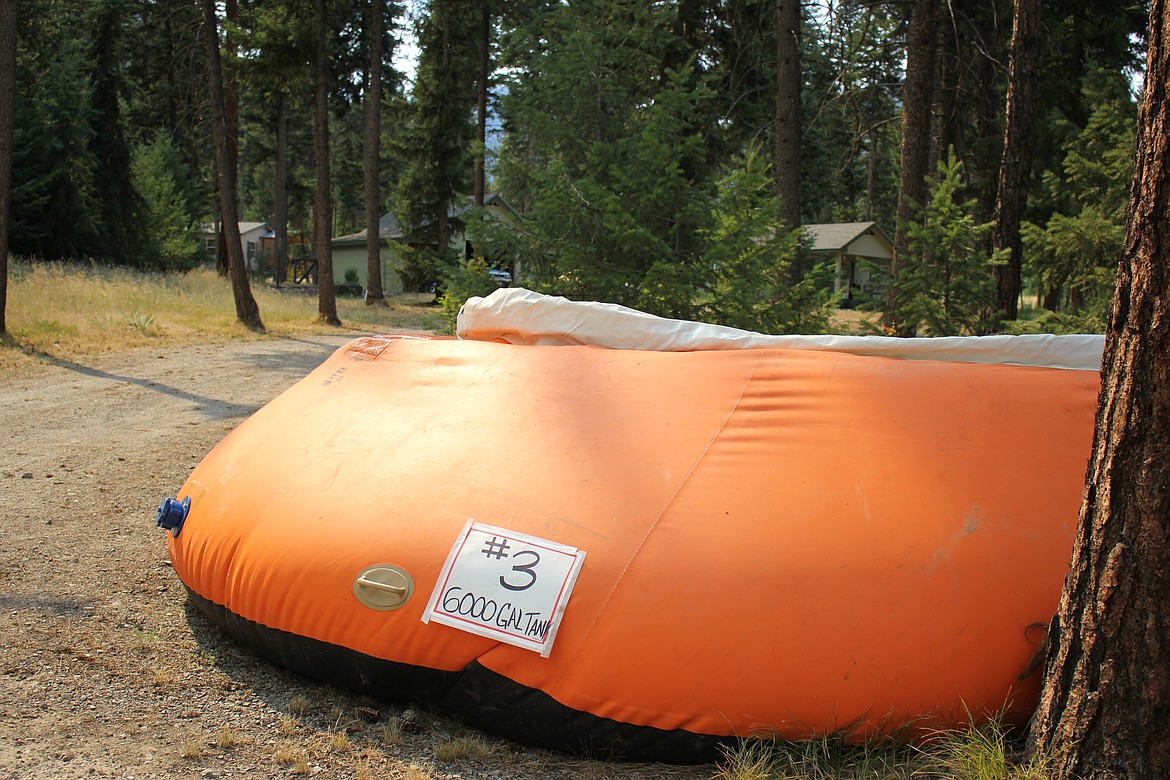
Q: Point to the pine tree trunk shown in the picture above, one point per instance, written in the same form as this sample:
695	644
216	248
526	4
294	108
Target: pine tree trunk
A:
788	117
9	12
1103	709
247	312
322	199
372	130
231	115
442	230
1016	166
949	131
917	98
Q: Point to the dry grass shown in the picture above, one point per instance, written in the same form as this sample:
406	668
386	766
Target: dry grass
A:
391	732
192	746
227	738
416	772
60	310
299	706
287	754
856	323
464	747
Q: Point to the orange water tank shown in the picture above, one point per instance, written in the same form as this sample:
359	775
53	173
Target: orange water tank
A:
733	542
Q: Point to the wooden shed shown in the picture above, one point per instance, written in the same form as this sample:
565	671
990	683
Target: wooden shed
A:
862	252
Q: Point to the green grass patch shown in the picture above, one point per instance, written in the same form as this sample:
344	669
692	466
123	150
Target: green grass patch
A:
985	752
67	310
825	758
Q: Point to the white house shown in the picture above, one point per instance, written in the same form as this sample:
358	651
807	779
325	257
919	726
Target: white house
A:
862	253
256	239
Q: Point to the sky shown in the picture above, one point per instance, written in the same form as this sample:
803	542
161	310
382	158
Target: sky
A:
406	52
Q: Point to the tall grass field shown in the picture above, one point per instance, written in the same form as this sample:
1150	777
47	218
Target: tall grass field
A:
58	310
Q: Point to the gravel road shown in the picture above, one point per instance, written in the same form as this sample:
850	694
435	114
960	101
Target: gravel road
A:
105	669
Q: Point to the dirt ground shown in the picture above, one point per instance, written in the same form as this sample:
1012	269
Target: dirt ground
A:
105	669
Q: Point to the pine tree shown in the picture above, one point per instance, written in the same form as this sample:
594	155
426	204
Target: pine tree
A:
371	153
53	187
610	152
323	195
157	170
1015	170
788	114
435	140
750	259
947	282
1072	254
247	312
278	77
119	210
851	66
918	93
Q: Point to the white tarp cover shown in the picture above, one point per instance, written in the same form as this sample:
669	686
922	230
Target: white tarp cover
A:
521	316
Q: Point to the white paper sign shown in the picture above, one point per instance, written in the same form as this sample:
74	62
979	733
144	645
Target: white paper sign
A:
504	585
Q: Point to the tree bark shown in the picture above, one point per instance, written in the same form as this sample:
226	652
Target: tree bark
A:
917	98
788	116
372	130
948	131
1015	168
9	13
1103	709
231	114
247	312
322	200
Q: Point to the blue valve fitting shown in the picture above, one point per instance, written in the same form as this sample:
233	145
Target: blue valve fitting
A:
172	513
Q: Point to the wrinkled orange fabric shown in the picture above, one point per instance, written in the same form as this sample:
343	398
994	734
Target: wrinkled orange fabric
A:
791	541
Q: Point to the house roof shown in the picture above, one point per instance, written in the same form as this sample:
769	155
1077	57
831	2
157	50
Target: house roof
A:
839	236
458	211
390	227
208	228
248	227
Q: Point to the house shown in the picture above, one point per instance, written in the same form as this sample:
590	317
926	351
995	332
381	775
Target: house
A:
349	252
862	253
256	239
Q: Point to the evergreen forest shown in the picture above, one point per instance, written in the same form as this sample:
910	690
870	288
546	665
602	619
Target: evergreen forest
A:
663	154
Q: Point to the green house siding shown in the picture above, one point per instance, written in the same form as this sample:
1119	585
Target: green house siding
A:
353	256
349	252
